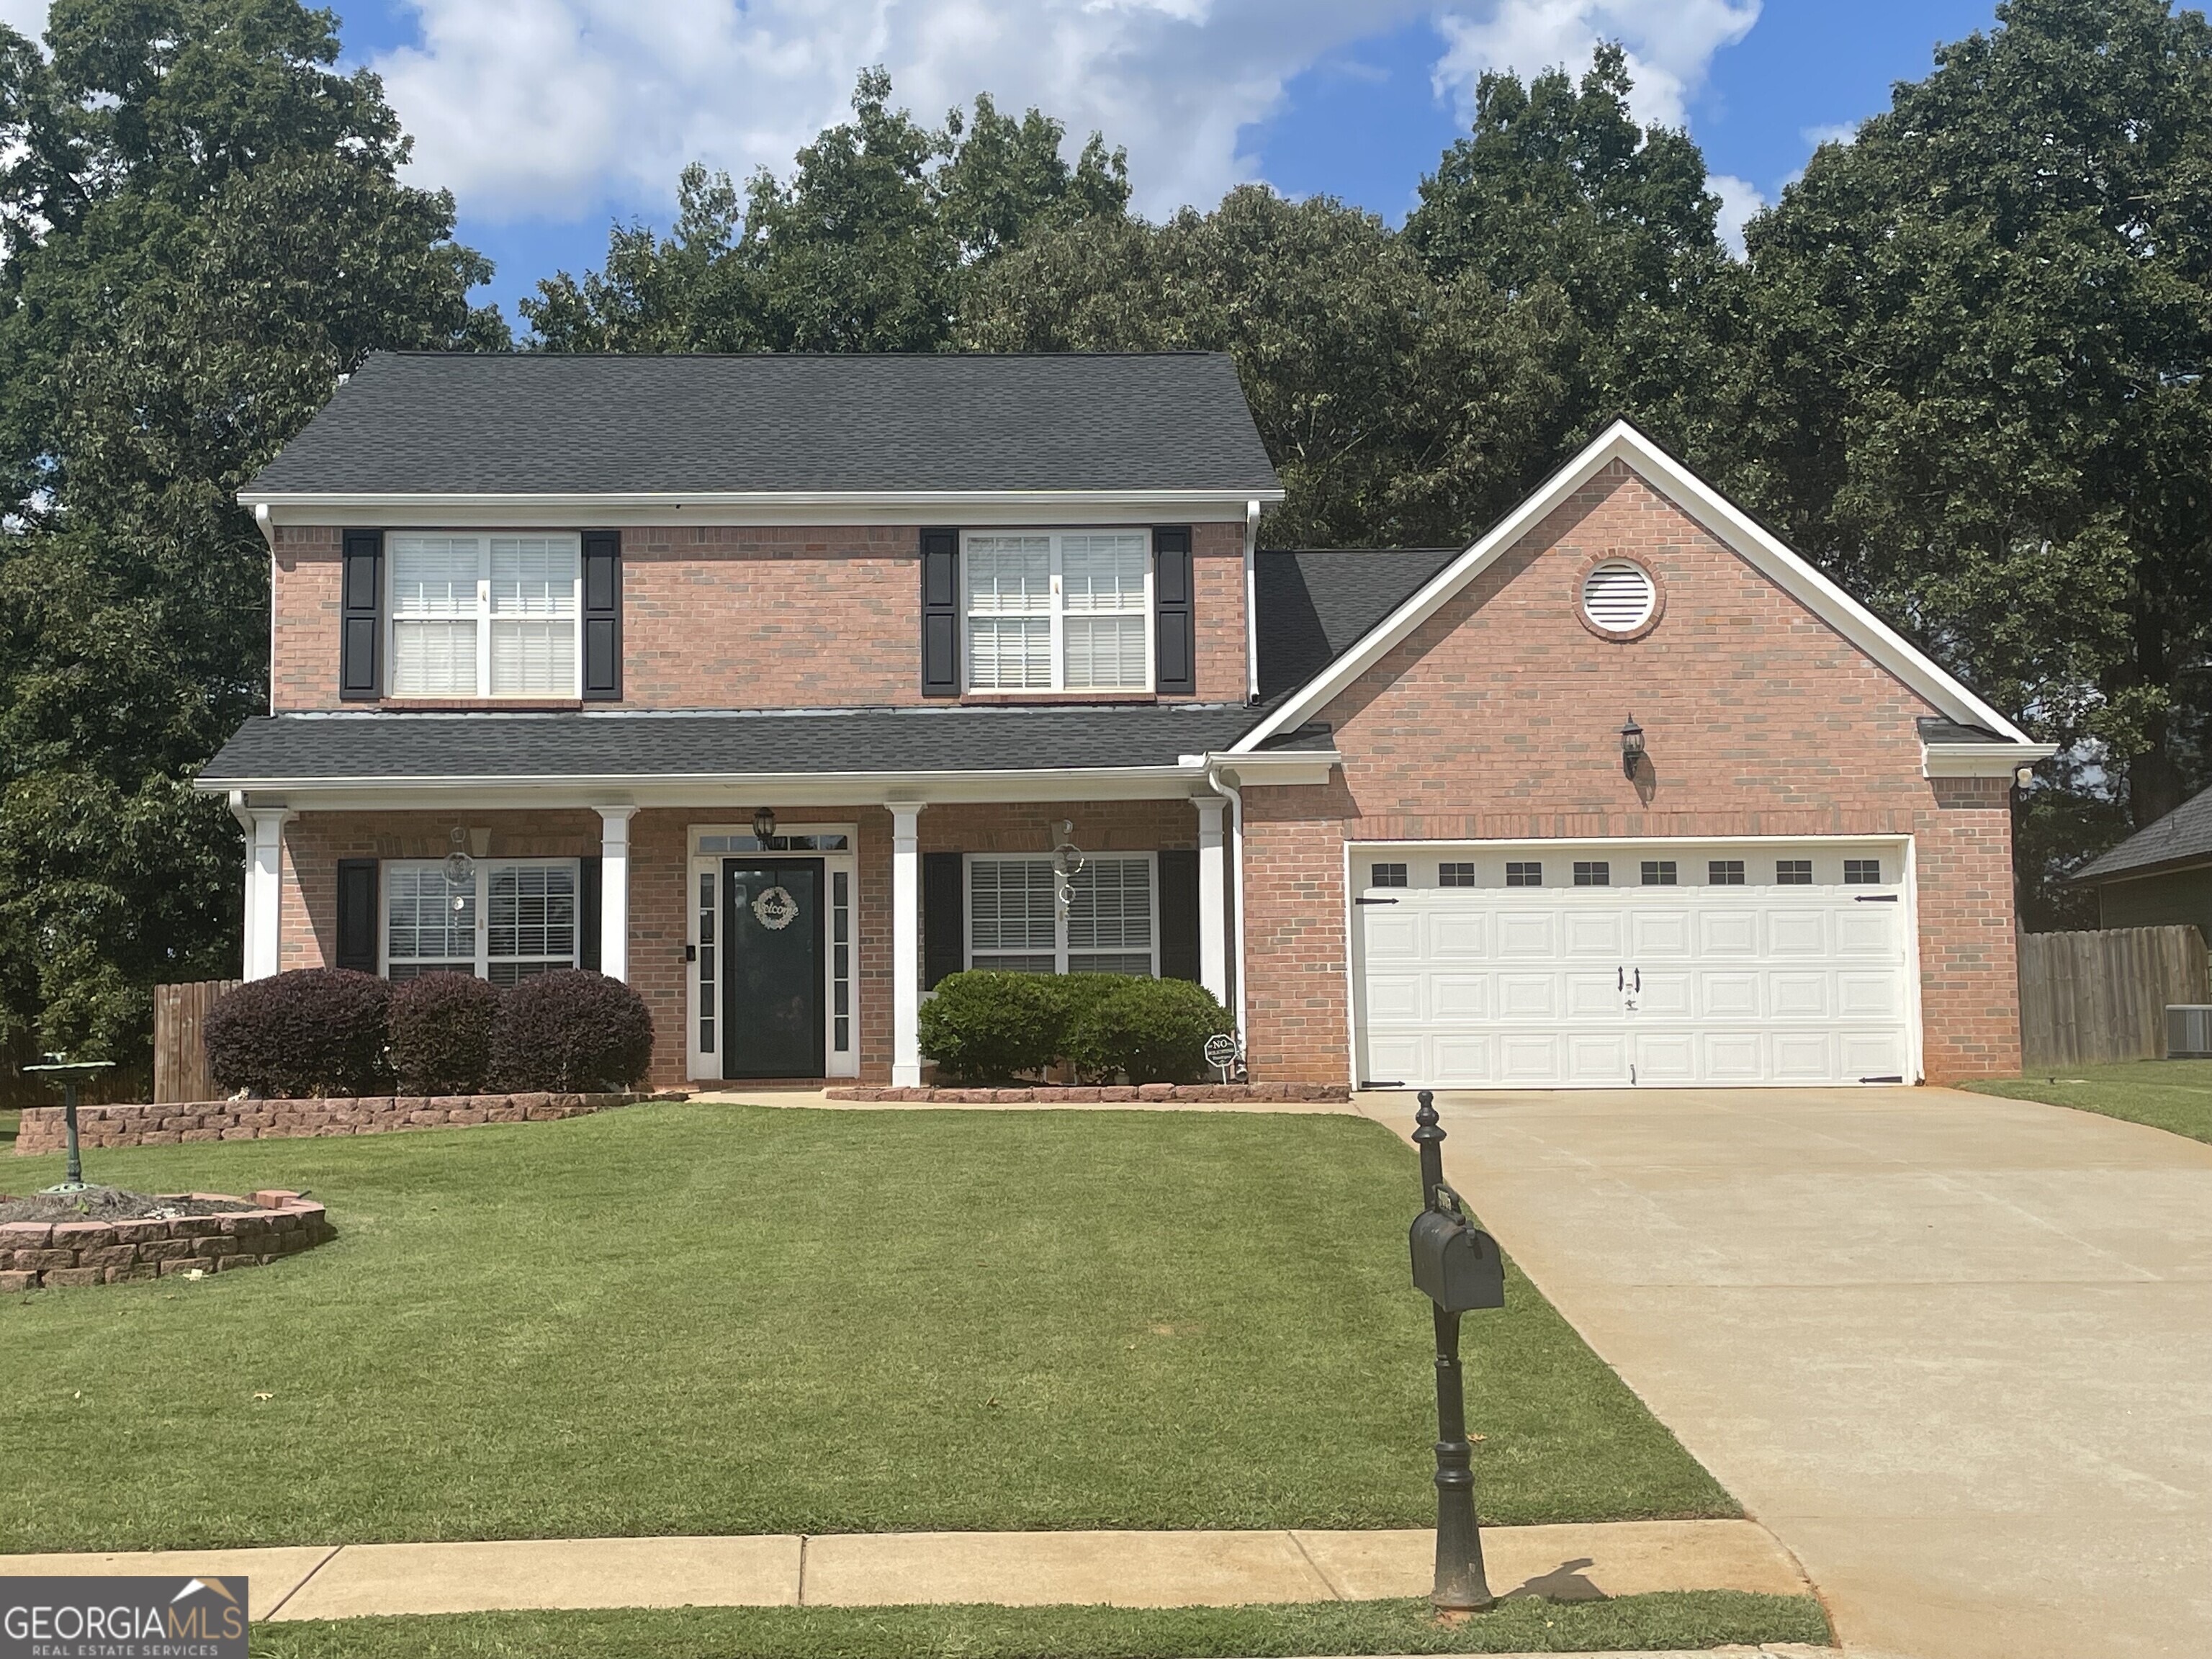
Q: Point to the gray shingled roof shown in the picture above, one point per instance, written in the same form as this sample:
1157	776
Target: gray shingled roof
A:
498	423
2181	836
284	748
1314	606
1934	728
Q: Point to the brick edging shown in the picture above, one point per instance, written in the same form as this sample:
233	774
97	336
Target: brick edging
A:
1046	1094
98	1126
36	1254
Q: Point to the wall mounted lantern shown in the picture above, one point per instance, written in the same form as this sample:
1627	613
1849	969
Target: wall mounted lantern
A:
1631	747
764	825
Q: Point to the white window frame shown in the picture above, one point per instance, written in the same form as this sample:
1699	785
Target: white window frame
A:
1061	953
705	1065
483	618
483	875
1057	614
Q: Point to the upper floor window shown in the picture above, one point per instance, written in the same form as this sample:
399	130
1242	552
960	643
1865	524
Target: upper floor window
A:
1053	610
486	616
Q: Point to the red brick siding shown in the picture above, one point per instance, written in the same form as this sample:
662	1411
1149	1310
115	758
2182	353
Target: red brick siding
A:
1500	718
749	618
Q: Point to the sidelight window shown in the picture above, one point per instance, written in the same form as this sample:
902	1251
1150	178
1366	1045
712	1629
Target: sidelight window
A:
1058	610
1110	924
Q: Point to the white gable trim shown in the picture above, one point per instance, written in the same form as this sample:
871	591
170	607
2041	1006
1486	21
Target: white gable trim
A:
1735	529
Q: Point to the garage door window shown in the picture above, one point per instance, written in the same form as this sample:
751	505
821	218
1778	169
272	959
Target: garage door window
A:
1524	875
1658	872
1793	873
1456	875
1594	874
1386	875
1724	872
1861	872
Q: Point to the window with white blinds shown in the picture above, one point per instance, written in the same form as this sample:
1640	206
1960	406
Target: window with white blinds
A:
486	616
503	923
1110	926
1058	610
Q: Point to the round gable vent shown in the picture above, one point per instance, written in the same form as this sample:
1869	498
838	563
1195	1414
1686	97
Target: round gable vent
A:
1619	596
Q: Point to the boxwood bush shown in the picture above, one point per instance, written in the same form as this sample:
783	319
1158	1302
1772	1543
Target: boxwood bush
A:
313	1031
441	1027
571	1030
995	1027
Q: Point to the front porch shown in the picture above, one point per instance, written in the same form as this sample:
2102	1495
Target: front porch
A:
802	956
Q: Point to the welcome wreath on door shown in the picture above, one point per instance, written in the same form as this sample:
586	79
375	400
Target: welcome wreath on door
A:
774	908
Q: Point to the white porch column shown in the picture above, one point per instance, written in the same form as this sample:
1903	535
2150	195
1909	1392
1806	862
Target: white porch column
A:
264	888
906	943
1212	900
614	890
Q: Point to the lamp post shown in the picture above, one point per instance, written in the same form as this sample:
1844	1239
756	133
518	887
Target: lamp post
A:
1458	1266
67	1074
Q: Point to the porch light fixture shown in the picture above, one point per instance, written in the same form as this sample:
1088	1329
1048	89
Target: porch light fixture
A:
764	825
1631	747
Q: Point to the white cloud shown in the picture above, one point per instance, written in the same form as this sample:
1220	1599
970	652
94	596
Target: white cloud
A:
1669	44
27	17
558	107
1740	201
1836	132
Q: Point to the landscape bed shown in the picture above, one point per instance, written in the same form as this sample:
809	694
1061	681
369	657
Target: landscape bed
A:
710	1319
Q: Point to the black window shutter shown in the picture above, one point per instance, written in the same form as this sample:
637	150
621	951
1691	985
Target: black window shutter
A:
358	900
1179	915
360	614
1175	615
602	598
941	613
587	914
944	917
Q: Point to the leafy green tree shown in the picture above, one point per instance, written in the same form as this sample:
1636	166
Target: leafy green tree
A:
1971	351
204	229
867	247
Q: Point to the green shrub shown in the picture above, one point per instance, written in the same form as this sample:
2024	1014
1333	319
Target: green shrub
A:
1152	1030
983	1027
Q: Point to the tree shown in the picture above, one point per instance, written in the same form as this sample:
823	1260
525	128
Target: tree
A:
204	229
867	248
1971	358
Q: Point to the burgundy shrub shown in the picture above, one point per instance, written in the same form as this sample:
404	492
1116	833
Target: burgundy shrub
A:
571	1030
441	1033
314	1031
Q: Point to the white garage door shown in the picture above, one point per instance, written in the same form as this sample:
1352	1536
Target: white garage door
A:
1656	965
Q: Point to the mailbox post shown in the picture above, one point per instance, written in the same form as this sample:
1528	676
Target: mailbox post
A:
1458	1265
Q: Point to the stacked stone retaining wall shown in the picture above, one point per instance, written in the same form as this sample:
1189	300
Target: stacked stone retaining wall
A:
42	1129
38	1254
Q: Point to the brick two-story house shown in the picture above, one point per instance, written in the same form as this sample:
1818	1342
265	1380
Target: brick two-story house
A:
783	686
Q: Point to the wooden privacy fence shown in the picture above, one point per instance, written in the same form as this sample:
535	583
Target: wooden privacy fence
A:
180	1061
2084	997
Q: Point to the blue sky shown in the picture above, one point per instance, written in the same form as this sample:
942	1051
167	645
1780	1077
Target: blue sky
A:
548	119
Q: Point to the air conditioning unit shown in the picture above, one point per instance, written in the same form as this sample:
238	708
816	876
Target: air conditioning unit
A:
2188	1030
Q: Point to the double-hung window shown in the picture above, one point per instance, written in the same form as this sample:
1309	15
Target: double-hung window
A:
1110	924
505	922
1058	611
486	616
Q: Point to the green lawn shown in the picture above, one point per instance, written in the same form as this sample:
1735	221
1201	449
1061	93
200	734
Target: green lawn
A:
8	1120
694	1318
2167	1094
1699	1620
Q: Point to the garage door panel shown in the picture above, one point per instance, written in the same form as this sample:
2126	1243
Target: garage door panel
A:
1489	988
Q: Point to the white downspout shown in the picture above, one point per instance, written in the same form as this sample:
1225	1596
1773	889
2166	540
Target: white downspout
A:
1218	779
1251	609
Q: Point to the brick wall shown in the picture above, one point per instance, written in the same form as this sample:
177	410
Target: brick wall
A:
1500	719
716	617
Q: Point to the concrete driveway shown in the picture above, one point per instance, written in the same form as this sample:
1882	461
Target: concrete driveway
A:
1955	1350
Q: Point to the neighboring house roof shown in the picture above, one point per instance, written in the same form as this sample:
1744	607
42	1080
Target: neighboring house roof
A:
513	747
1313	607
412	424
1731	524
2181	836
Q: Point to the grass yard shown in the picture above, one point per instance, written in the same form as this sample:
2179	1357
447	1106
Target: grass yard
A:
1701	1619
2167	1094
697	1318
8	1120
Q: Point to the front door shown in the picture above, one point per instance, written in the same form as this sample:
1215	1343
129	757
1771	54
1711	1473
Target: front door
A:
772	985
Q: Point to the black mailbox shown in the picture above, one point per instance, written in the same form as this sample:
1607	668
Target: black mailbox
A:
1456	1264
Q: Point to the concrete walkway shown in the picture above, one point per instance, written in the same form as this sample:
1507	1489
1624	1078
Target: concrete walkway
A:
819	1099
1955	1350
1031	1569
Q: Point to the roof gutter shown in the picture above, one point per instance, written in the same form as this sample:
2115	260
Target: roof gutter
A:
570	503
1982	760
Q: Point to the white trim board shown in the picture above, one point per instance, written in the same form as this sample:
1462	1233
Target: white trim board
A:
1735	529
